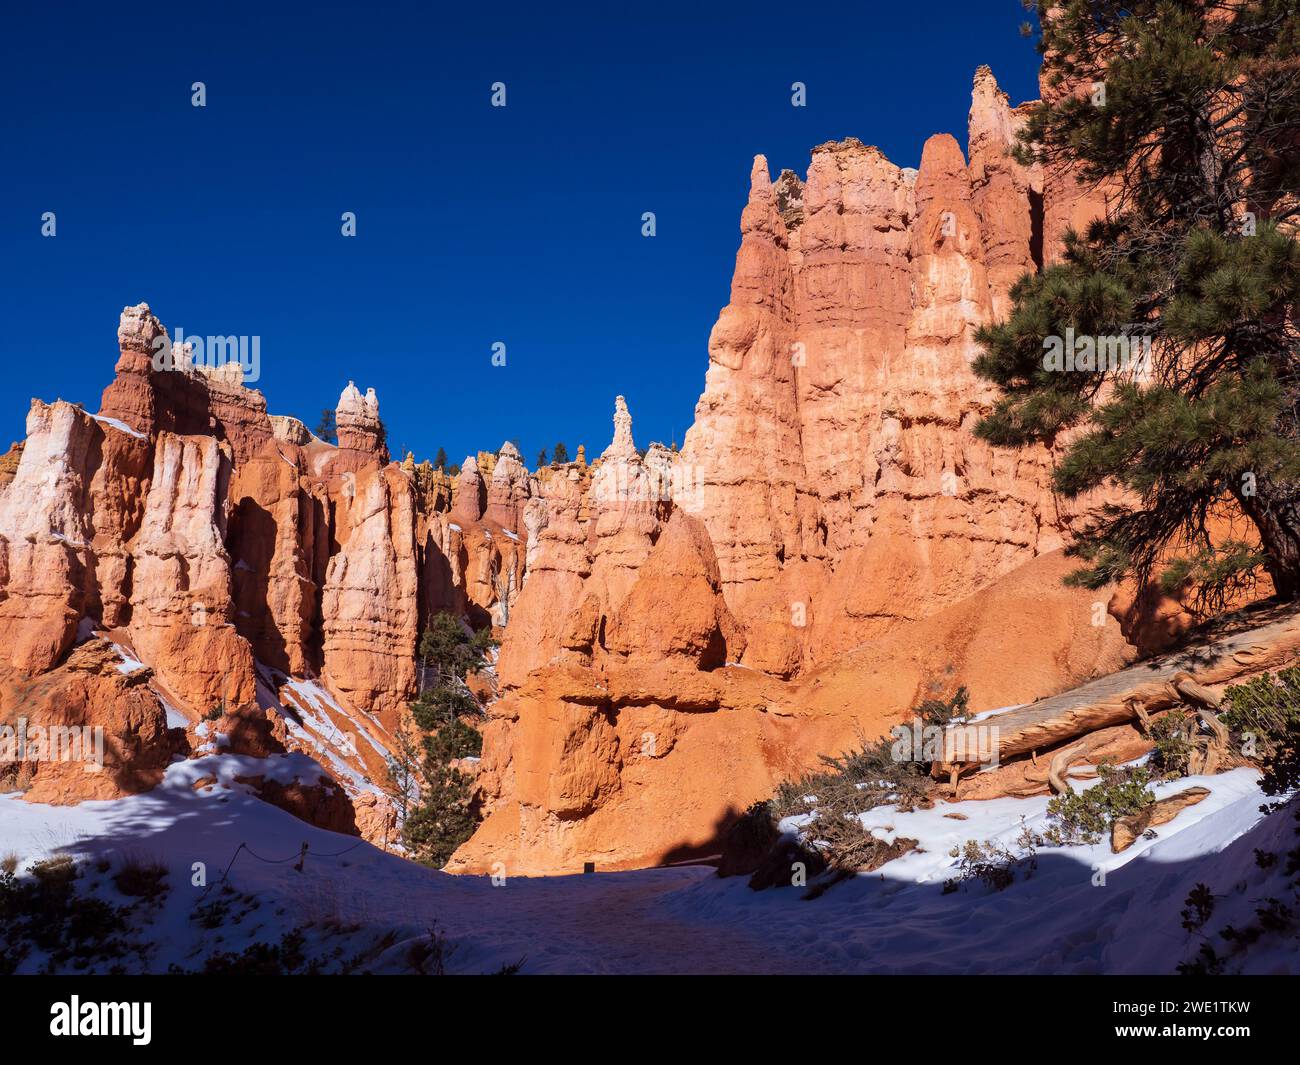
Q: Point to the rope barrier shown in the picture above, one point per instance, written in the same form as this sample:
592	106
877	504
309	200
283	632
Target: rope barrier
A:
300	857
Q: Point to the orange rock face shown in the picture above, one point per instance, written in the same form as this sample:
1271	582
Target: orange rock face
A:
370	598
831	543
112	733
682	631
227	551
837	473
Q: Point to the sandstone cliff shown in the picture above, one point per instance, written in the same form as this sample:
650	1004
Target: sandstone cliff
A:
227	555
681	630
830	543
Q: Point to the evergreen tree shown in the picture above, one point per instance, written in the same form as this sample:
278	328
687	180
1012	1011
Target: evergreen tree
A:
440	460
542	460
451	650
1188	111
446	816
326	429
403	772
561	453
442	704
446	812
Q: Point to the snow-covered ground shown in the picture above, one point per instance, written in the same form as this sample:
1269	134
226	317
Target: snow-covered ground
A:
683	919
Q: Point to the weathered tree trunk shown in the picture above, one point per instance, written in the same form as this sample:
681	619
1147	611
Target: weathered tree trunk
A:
1276	516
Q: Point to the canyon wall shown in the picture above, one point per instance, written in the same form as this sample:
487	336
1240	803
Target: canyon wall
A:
681	630
221	555
832	544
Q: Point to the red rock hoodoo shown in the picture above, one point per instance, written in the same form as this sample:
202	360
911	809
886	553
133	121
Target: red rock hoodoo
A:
681	630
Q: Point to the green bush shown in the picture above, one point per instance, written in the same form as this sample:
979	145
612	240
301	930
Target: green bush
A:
262	959
945	712
1263	717
44	912
1083	817
1172	734
855	782
872	775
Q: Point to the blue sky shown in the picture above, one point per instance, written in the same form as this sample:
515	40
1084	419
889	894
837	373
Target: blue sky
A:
474	224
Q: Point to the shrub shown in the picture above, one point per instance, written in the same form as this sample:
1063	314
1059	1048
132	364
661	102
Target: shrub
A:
941	712
1263	717
19	779
44	912
989	862
994	863
1082	817
857	781
1172	734
1197	908
262	959
748	840
860	780
144	878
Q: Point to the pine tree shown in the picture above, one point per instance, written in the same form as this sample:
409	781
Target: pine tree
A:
442	704
446	816
561	453
440	460
542	460
451	650
1189	111
326	429
446	812
403	771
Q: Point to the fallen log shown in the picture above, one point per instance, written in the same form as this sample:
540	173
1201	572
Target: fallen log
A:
1135	694
1060	765
1126	830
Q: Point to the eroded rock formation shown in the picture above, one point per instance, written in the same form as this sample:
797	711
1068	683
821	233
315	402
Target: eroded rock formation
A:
225	554
830	543
682	631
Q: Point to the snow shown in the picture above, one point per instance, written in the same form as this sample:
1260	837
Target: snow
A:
175	719
681	919
129	664
984	715
121	426
317	730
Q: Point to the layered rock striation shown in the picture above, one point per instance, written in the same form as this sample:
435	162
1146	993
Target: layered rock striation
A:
681	630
